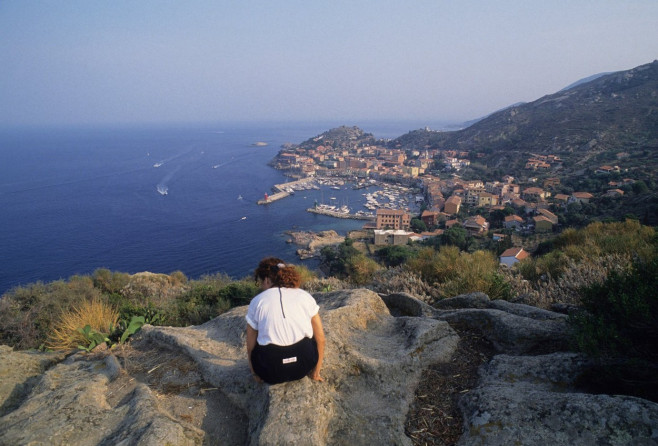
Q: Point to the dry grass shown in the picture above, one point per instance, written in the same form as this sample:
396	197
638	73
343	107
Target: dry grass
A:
99	315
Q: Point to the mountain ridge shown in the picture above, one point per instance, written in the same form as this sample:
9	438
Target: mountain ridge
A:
618	110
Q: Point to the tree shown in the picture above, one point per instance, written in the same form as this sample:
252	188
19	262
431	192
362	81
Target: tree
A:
418	225
455	236
395	255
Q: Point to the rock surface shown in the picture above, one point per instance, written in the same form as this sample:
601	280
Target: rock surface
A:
530	400
313	242
377	350
373	362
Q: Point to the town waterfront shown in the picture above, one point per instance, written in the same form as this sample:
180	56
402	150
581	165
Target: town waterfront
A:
154	199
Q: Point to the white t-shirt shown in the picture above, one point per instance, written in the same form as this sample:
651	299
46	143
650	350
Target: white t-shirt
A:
282	319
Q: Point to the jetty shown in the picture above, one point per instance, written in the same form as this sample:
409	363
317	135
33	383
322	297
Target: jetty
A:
274	197
285	189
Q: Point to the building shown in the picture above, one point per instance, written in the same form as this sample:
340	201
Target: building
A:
486	199
614	193
581	197
392	237
392	219
542	224
534	194
512	256
513	222
476	225
548	214
452	205
430	218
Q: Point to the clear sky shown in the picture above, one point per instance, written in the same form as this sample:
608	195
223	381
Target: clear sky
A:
116	61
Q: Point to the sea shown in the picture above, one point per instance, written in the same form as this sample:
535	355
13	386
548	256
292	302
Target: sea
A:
156	198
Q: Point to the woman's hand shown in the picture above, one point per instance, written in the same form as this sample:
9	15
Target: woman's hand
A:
315	375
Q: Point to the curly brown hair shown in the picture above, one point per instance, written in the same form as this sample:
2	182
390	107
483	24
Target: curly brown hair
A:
280	274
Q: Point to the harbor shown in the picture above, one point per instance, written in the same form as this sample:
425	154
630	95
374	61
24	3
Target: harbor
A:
340	205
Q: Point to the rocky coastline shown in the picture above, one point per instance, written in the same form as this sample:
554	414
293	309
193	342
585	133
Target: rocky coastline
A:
312	242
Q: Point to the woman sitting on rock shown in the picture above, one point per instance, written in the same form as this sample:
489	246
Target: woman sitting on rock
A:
285	339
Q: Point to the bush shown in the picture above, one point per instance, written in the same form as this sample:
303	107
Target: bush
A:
395	255
361	269
457	273
551	265
209	297
98	315
110	282
27	314
306	274
620	316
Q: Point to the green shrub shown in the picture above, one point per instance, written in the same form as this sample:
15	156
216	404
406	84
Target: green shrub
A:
620	316
361	269
110	282
395	255
455	272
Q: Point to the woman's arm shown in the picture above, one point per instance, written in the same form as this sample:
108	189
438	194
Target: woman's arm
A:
318	334
252	336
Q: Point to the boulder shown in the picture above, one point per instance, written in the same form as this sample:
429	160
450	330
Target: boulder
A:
532	400
70	406
19	372
512	328
373	362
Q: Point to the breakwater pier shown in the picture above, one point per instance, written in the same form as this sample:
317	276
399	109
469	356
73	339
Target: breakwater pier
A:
285	189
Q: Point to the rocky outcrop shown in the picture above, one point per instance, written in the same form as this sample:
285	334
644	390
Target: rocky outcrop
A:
531	400
313	242
373	363
377	350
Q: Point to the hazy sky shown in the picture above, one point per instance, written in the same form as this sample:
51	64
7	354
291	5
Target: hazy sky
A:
113	61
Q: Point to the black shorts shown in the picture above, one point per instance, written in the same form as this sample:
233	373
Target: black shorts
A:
275	364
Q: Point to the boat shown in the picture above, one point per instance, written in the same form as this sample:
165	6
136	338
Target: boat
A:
243	218
162	189
158	164
239	197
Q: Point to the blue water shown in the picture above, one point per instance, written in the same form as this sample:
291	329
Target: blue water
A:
74	200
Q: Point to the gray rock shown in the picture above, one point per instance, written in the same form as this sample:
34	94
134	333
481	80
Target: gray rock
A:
69	406
531	401
512	328
19	372
373	362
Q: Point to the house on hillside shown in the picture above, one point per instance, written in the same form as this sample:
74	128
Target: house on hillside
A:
542	224
512	256
476	225
452	205
513	222
614	193
534	194
392	219
581	197
430	218
392	237
548	214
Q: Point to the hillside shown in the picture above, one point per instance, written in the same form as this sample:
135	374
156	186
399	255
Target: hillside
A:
340	138
590	122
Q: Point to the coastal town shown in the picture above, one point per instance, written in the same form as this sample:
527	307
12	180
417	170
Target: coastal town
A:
420	192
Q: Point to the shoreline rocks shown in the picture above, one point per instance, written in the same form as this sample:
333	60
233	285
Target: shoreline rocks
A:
313	242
